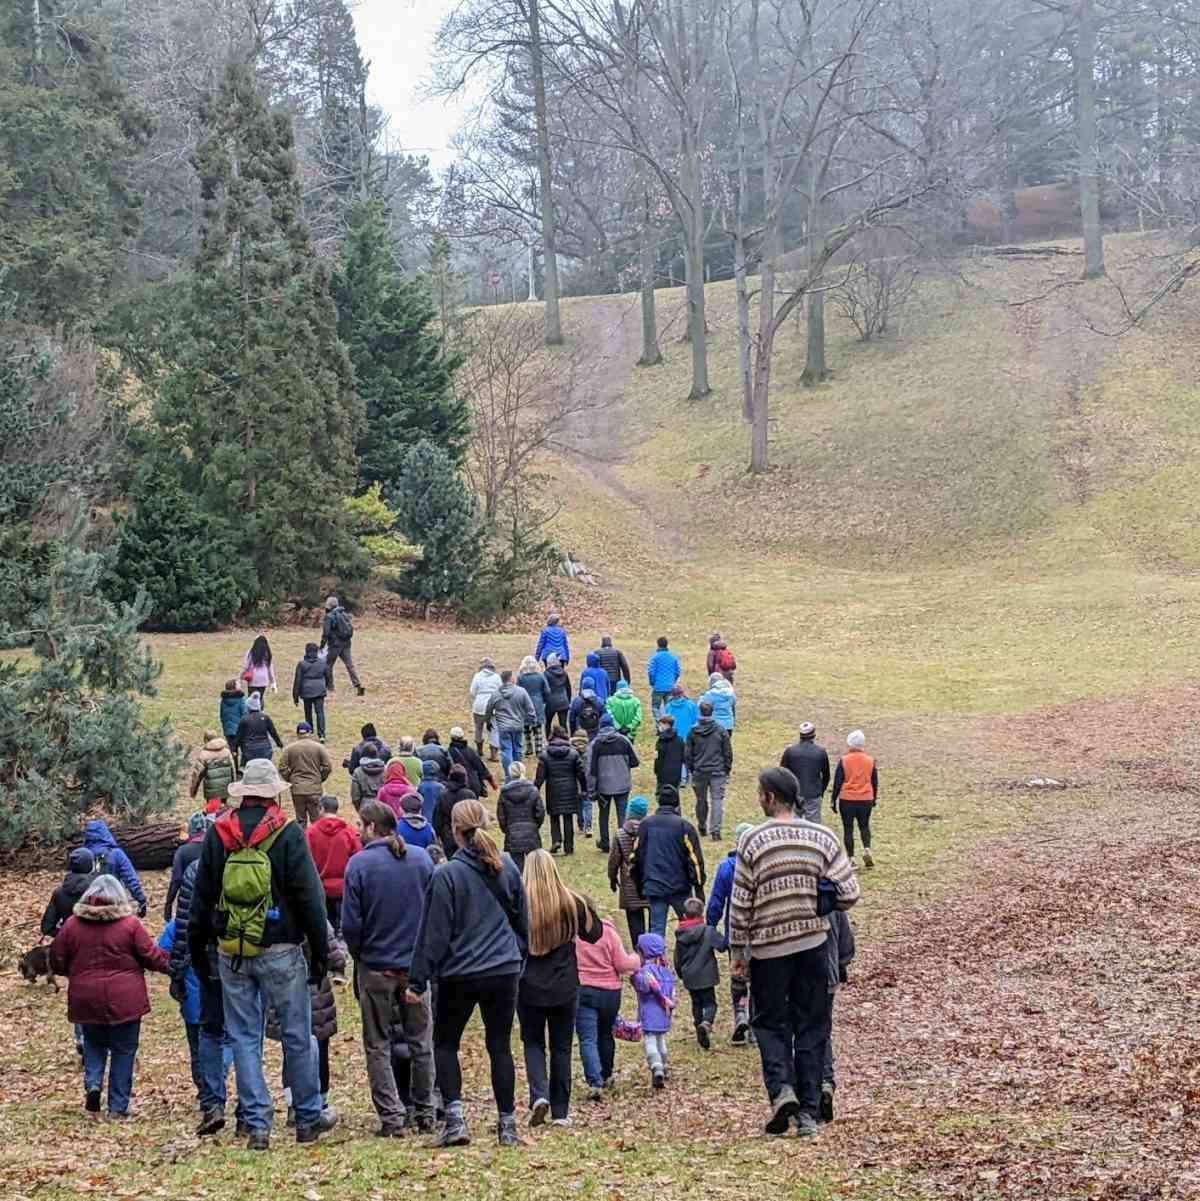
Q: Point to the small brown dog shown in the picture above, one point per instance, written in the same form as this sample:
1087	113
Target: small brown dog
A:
36	963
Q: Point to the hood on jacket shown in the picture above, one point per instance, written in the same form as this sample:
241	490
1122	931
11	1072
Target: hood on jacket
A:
81	862
373	767
216	743
553	619
631	825
414	820
651	946
607	723
718	683
593	659
394	771
331	824
559	749
233	695
706	726
624	689
104	913
688	924
97	833
430	770
311	651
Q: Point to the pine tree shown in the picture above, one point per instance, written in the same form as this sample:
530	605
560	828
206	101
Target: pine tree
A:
404	371
259	392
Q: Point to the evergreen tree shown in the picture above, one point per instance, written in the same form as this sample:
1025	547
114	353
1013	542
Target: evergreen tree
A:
259	390
435	510
404	370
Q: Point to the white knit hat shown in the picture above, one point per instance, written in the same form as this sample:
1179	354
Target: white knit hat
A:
856	740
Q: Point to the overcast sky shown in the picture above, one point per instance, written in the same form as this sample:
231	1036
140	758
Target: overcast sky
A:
396	37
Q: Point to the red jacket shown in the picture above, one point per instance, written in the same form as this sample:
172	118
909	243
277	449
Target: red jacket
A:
105	952
332	842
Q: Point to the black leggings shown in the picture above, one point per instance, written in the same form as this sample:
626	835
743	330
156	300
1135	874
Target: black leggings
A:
496	997
856	811
562	832
555	717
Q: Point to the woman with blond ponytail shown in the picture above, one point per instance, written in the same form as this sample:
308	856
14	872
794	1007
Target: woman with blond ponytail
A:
473	940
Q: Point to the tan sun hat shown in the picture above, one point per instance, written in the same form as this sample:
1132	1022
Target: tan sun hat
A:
259	778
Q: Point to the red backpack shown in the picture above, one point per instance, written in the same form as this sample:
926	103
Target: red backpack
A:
725	660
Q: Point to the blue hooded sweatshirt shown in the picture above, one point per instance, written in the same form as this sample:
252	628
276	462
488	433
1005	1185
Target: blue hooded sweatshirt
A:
717	914
98	839
553	642
189	1007
595	677
431	789
686	713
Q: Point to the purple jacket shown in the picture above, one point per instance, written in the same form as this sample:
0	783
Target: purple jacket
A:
652	1013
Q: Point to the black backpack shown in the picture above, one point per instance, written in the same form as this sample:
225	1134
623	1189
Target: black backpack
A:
340	625
590	713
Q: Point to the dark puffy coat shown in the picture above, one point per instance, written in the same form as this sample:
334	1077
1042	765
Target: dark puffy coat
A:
539	692
667	858
63	901
620	878
478	776
809	763
385	753
434	752
553	978
313	678
520	814
696	947
320	997
558	689
441	815
181	954
709	749
560	769
668	759
256	732
183	858
615	665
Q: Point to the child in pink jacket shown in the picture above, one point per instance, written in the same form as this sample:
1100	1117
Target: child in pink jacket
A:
601	966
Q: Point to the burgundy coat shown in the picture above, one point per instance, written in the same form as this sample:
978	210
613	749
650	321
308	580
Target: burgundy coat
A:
105	952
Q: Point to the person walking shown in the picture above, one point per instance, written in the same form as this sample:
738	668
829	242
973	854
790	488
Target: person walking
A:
809	763
595	677
479	778
560	772
520	813
369	736
413	826
663	672
723	699
534	683
305	764
553	641
601	965
337	634
586	712
668	753
395	788
510	710
258	895
414	765
626	712
484	685
431	748
717	915
709	759
213	770
549	989
232	710
685	713
311	684
667	860
620	869
720	658
368	776
856	790
258	669
558	694
430	788
105	952
81	871
332	842
696	947
457	789
614	663
654	984
256	732
381	917
110	859
610	763
473	939
185	854
777	936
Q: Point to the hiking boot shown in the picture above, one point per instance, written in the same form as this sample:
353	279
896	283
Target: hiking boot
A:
424	1125
91	1100
390	1130
323	1125
702	1034
806	1125
786	1109
506	1131
868	858
260	1140
658	1079
826	1110
741	1026
539	1111
595	1094
556	849
454	1133
610	1083
212	1121
361	690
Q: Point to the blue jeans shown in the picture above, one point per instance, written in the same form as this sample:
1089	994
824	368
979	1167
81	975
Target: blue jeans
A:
115	1047
658	912
658	703
278	979
585	811
216	1058
512	748
598	1009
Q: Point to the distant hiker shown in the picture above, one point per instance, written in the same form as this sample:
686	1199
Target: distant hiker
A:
723	699
856	790
668	753
473	940
686	713
332	842
601	965
185	854
778	939
663	672
413	827
258	894
558	694
81	871
368	777
258	668
667	860
549	990
105	952
510	710
337	633
312	682
484	685
595	677
696	947
534	683
610	763
233	709
720	658
809	763
213	770
479	778
305	764
841	949
586	712
615	665
560	771
110	859
553	641
626	712
431	788
457	789
431	748
395	788
717	916
256	732
620	869
709	759
520	813
654	983
414	766
369	734
580	743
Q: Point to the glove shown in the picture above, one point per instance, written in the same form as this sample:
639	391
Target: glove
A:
317	971
142	909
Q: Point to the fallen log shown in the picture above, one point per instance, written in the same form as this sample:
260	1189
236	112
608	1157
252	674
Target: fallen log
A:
151	848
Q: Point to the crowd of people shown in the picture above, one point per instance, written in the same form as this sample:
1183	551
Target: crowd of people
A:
265	915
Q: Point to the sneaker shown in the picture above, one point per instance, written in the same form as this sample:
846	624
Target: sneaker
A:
556	849
806	1125
560	1121
91	1101
658	1079
258	1141
786	1109
212	1121
868	858
323	1125
539	1111
826	1111
595	1094
390	1130
506	1131
741	1028
702	1034
453	1134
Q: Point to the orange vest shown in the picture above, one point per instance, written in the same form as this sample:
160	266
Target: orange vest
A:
857	767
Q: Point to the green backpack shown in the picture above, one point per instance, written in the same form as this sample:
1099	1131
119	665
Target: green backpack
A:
246	899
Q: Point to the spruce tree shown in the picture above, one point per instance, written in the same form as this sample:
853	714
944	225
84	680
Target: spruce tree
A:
259	391
404	370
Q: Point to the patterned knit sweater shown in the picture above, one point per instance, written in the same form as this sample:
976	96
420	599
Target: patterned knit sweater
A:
774	908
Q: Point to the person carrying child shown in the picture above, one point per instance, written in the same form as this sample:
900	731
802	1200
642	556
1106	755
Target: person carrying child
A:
696	947
654	984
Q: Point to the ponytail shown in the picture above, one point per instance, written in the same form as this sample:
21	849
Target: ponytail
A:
470	820
382	818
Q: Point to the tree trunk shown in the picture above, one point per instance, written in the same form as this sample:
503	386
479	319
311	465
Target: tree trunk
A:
651	354
151	848
554	335
815	367
37	37
1086	133
760	426
532	274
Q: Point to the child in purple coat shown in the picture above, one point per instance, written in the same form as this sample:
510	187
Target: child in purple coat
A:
654	984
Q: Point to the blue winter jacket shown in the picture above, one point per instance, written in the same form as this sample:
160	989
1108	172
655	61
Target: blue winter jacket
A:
686	713
724	703
381	907
717	913
553	642
189	1007
98	839
233	709
663	671
595	677
415	835
431	789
